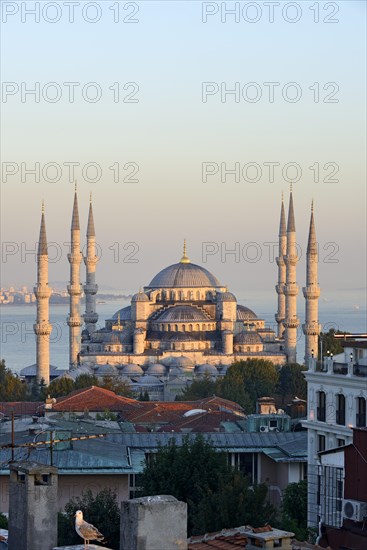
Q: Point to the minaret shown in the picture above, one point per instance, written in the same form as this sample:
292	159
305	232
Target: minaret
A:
90	288
42	327
291	321
311	292
74	287
280	315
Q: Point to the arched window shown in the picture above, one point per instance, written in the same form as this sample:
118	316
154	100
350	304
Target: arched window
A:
204	326
169	328
190	328
207	345
197	327
192	346
183	328
176	328
198	295
257	348
248	349
182	346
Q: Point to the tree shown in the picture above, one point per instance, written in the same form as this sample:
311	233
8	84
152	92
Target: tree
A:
85	381
246	381
198	389
102	510
60	387
294	509
11	387
217	495
114	384
329	343
292	382
144	396
3	522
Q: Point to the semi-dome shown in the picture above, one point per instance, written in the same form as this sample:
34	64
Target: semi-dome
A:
124	314
182	314
182	361
245	313
226	297
184	275
249	337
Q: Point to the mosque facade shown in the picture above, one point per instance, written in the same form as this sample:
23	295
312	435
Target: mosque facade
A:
184	323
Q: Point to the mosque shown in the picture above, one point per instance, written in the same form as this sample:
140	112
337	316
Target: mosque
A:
183	324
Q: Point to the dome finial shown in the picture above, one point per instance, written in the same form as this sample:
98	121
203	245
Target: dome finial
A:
184	259
312	205
43	206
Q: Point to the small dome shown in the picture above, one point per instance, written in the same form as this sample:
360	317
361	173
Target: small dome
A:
83	369
175	371
106	369
31	370
182	361
182	314
132	370
226	297
140	297
148	380
245	313
207	369
157	369
249	337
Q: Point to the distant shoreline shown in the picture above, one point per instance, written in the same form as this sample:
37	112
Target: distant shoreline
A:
65	301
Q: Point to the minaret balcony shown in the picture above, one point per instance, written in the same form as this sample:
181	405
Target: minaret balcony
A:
291	322
279	318
75	258
42	329
280	261
291	289
90	318
91	261
280	288
42	292
311	292
90	288
75	290
311	329
291	259
74	321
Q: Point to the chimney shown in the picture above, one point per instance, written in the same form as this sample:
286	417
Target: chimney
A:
149	523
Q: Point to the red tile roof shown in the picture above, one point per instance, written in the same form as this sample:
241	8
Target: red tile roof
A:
93	399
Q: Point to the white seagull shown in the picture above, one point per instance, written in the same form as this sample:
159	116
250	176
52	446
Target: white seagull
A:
85	530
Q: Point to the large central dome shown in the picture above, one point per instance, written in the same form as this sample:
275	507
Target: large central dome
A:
184	275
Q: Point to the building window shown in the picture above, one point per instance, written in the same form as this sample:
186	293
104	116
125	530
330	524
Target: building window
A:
321	441
340	442
340	409
361	412
190	328
321	406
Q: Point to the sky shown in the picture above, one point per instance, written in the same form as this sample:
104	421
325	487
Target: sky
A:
150	101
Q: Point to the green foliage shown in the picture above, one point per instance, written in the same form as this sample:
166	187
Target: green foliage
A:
3	522
292	382
198	389
294	509
101	510
144	396
114	384
85	381
329	343
60	387
217	496
246	381
11	387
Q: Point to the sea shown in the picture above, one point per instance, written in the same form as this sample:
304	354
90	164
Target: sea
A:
340	310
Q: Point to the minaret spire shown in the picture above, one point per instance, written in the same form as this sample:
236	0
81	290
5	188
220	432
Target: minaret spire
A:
291	321
311	292
90	288
42	327
74	288
280	315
